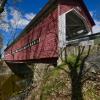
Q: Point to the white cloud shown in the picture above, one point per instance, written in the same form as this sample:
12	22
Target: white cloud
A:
29	16
18	20
91	13
4	25
4	15
96	28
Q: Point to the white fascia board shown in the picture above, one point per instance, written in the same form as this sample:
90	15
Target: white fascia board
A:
62	29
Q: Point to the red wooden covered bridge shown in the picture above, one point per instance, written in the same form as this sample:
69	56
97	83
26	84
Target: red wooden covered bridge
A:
57	23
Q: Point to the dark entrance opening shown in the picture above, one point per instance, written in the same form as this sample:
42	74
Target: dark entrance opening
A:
75	25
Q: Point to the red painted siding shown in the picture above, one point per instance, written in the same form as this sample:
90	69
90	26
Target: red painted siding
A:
46	31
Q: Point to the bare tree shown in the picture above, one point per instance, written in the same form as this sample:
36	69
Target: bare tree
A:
76	65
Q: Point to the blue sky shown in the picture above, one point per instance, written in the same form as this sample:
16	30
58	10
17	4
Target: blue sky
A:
94	7
18	15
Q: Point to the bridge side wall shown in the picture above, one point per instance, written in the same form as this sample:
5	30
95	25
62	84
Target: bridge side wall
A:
43	39
40	42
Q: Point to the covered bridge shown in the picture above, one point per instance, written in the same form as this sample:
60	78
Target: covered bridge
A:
57	23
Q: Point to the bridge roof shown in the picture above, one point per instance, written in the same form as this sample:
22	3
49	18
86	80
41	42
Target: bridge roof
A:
45	9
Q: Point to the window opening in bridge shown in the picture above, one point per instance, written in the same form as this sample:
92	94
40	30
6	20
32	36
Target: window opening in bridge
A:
75	25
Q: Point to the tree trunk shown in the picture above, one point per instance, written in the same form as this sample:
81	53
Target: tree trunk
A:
76	90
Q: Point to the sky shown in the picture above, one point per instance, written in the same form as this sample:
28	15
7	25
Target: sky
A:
18	14
94	9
